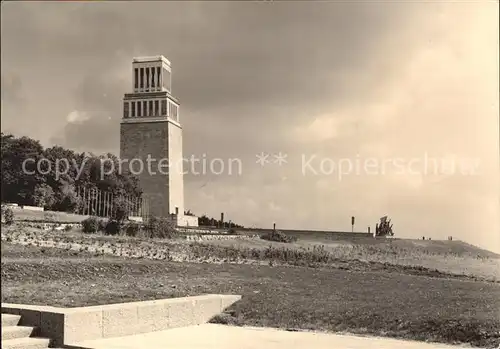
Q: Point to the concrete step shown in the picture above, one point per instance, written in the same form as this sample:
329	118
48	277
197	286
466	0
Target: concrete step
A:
11	332
10	320
26	343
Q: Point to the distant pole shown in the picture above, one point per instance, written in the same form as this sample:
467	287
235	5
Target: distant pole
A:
84	205
98	203
108	204
88	202
274	226
131	206
79	195
104	204
95	202
105	213
133	203
111	205
127	205
143	207
352	224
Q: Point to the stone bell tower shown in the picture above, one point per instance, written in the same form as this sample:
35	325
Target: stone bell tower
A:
151	137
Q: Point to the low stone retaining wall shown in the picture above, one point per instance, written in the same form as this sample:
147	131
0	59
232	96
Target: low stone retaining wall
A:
217	237
69	326
51	226
187	230
32	208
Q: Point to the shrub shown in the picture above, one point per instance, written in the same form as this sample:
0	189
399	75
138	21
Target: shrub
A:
232	231
68	228
91	225
49	217
43	196
132	229
160	228
7	215
72	203
120	211
67	200
112	227
278	236
226	318
102	225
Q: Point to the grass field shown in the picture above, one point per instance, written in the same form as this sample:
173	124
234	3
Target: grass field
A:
21	214
411	257
448	257
445	291
368	302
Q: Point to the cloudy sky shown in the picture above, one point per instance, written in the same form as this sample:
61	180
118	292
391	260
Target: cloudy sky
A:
326	83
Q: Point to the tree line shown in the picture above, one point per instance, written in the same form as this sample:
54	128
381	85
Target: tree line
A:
39	183
30	176
206	221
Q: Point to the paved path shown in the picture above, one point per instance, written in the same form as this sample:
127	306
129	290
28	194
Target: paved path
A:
212	336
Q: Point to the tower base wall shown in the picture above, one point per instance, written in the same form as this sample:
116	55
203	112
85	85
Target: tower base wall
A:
143	145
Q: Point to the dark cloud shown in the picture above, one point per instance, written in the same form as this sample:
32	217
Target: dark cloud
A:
12	90
94	124
234	63
13	103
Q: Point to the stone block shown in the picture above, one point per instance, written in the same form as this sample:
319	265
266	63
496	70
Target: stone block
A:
33	208
80	324
180	312
70	326
206	307
152	317
119	321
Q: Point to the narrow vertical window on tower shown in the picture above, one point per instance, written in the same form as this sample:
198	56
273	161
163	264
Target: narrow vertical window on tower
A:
141	73
151	110
145	108
164	108
136	78
153	70
133	109
139	109
173	112
158	73
166	79
147	79
157	109
125	110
